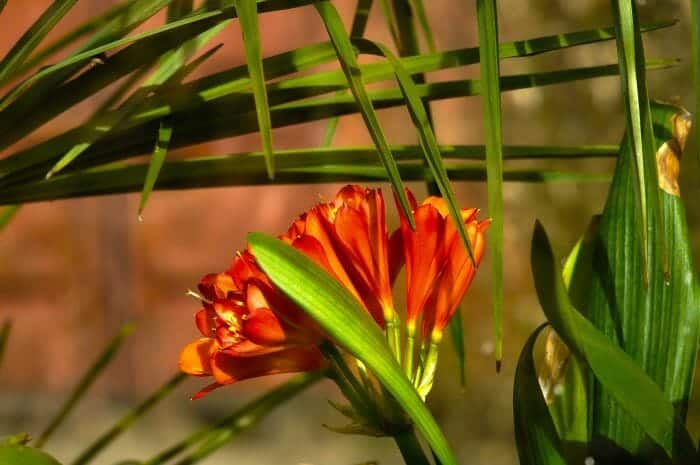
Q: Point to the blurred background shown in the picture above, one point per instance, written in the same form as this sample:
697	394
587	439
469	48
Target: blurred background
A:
72	272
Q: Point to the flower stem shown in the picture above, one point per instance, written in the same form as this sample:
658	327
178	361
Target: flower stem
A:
424	383
410	448
408	354
347	382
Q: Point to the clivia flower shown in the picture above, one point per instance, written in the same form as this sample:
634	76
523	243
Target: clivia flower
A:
438	274
250	328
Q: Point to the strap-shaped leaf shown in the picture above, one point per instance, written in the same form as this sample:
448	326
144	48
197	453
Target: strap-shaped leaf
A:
638	112
208	122
248	18
344	319
157	158
346	57
426	136
631	388
655	320
493	133
32	37
535	435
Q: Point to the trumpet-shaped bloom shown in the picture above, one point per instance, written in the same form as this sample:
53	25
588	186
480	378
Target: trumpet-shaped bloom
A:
438	268
348	236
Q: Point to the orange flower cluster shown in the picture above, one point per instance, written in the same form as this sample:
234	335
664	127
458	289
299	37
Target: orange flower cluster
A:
250	328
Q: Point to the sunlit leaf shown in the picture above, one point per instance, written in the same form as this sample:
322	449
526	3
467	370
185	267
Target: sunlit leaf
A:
344	319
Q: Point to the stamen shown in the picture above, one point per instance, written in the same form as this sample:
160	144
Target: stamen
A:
198	296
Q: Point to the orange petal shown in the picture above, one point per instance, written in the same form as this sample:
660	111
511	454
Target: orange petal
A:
206	390
195	357
396	254
228	369
264	328
205	319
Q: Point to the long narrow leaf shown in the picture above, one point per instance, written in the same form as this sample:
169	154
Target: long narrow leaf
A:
84	383
157	158
31	38
209	122
493	134
128	420
248	17
346	56
428	142
359	24
227	171
638	113
214	437
341	315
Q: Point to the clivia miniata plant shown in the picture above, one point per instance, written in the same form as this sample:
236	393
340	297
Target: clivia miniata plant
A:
606	379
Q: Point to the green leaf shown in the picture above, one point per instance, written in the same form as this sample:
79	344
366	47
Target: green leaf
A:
23	455
426	136
656	320
343	318
159	152
419	8
106	438
490	78
695	38
208	122
31	38
535	435
169	71
346	56
626	382
248	17
456	328
212	438
359	23
232	171
638	113
84	383
7	214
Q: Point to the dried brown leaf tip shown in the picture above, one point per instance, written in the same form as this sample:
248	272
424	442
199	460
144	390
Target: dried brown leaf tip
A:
668	156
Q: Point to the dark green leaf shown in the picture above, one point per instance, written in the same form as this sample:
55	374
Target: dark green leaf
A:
248	17
344	319
490	78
